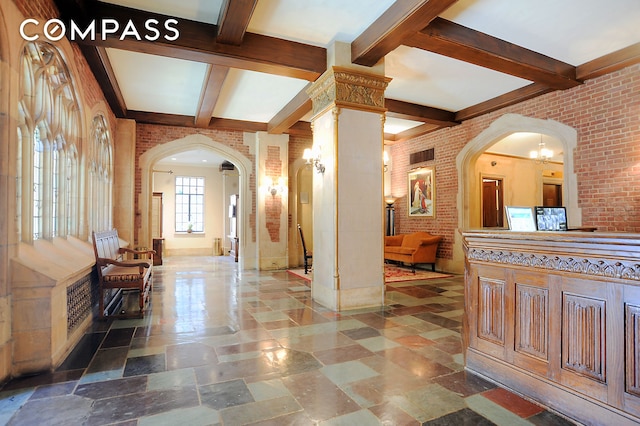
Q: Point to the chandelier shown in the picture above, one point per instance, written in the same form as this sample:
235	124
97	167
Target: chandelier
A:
542	155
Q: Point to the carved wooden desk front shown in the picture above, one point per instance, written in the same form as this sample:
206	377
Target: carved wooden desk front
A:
556	316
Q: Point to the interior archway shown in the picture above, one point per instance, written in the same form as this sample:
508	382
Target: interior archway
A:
192	142
469	190
300	207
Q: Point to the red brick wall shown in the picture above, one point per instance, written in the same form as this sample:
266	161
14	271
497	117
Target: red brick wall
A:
273	203
152	135
606	115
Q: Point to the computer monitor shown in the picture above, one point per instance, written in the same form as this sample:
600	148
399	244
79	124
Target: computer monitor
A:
551	218
520	218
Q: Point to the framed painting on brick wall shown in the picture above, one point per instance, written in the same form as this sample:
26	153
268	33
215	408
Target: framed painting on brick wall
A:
422	192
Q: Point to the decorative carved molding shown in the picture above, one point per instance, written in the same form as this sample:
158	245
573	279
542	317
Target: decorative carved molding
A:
491	310
348	88
532	320
604	268
632	338
583	336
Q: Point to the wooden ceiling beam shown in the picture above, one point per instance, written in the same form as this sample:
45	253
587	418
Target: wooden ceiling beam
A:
409	111
609	63
455	41
188	121
401	20
210	93
241	125
101	68
162	119
291	113
510	98
301	128
197	42
233	20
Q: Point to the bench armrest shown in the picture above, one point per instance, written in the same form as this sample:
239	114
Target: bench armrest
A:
128	250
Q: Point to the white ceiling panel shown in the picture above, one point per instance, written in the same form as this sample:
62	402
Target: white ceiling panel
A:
196	10
572	31
520	144
318	22
255	96
437	81
157	83
394	125
197	157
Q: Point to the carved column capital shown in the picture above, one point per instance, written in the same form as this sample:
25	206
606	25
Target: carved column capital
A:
344	87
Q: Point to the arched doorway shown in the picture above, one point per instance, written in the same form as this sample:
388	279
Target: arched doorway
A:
301	208
470	189
247	258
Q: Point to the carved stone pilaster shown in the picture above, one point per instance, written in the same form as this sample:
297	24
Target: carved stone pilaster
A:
344	87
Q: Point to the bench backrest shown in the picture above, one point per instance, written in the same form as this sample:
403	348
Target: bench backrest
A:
106	245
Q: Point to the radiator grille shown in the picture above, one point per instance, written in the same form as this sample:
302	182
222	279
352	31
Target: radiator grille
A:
78	302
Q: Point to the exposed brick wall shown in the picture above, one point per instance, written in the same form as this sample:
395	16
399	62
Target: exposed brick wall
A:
606	114
273	204
37	8
151	135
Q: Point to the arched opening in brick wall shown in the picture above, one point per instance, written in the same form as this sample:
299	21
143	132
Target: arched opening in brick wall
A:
300	209
469	191
150	159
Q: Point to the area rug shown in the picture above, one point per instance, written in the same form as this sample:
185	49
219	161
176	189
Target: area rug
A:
392	274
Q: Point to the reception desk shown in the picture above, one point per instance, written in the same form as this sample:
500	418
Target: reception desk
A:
555	316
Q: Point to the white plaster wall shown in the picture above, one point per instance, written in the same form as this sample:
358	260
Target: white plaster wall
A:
197	243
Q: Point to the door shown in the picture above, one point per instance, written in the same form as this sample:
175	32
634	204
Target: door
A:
551	195
156	215
492	203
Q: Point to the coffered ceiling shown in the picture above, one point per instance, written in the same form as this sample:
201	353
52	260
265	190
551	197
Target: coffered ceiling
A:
245	64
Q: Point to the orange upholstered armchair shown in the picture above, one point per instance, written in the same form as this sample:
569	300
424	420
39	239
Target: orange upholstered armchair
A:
414	248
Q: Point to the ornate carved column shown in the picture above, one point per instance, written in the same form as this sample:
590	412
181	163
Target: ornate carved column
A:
348	208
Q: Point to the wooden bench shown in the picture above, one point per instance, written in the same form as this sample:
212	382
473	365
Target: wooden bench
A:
117	273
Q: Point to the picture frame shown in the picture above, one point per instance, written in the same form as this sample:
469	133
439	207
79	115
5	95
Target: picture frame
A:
520	218
421	195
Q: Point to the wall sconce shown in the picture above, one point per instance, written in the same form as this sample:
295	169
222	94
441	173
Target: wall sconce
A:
272	188
385	160
312	156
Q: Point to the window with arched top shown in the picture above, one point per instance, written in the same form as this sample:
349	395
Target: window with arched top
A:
48	138
100	175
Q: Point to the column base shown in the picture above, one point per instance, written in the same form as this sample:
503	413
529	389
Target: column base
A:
348	299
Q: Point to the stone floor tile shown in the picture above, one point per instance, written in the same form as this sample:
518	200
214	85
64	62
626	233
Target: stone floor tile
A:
494	412
147	364
254	348
464	383
389	414
67	409
193	416
512	402
460	417
361	333
342	354
225	394
319	397
260	410
347	372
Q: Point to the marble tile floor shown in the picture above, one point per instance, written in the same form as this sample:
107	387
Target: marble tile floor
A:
222	346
